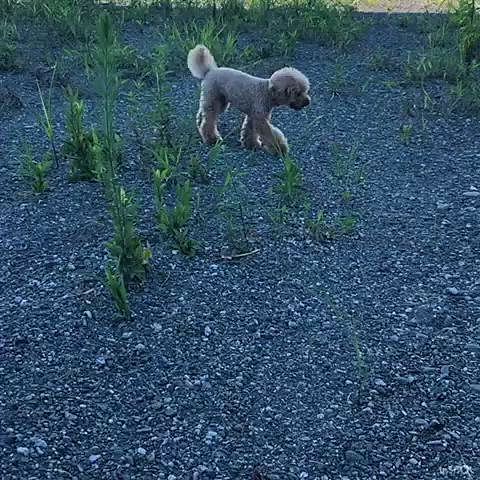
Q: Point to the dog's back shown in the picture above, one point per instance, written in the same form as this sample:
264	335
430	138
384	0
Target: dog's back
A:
241	90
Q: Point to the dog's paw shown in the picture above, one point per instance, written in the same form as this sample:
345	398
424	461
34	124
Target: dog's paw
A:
277	148
250	144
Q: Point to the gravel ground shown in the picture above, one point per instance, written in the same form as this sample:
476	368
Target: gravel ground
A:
352	359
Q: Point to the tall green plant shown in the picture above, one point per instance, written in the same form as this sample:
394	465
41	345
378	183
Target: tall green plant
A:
131	257
80	146
46	119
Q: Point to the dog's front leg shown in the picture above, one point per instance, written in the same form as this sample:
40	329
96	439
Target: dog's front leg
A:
248	135
271	138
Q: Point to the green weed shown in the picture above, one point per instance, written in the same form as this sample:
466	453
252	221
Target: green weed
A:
320	229
291	180
130	256
231	207
46	119
406	134
337	82
80	145
221	42
35	173
174	221
116	285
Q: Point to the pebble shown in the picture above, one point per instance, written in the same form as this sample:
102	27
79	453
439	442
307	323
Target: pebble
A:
140	347
70	416
380	383
475	387
472	193
100	360
453	291
421	422
472	347
171	477
210	435
353	457
23	451
93	458
437	444
409	379
170	411
126	335
39	443
141	451
207	331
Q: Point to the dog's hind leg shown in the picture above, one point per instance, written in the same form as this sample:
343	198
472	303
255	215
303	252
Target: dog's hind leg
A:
271	138
207	117
248	135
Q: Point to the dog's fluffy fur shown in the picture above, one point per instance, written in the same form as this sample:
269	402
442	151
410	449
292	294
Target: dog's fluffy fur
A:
255	97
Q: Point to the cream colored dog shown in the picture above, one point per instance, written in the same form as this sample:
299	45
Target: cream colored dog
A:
255	97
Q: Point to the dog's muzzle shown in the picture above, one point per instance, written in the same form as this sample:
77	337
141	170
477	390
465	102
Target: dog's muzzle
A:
298	106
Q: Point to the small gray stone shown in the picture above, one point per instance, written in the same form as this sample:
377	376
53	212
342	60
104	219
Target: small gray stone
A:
380	383
23	451
39	443
473	347
475	387
453	291
472	193
421	422
408	379
141	451
100	360
211	435
353	457
170	411
93	458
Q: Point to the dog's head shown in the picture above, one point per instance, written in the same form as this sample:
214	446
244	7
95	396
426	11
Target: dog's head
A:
290	87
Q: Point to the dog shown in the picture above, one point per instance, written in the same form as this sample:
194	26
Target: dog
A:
255	97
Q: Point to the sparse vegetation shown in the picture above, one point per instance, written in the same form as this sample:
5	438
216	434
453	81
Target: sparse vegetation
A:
35	172
232	208
337	82
81	146
46	119
174	221
8	45
291	181
453	55
130	256
406	133
116	285
291	287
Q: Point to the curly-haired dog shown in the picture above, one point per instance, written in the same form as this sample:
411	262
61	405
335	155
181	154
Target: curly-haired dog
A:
255	97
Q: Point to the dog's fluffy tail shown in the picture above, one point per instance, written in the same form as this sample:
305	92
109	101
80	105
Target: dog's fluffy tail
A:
200	61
